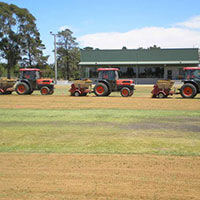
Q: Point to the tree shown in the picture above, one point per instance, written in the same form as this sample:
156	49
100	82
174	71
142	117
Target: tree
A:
19	37
88	48
154	47
2	69
68	54
32	47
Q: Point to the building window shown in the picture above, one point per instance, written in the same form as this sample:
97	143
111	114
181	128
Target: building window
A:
181	74
151	72
93	72
127	72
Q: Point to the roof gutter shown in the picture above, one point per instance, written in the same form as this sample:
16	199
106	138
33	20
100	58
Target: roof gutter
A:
140	63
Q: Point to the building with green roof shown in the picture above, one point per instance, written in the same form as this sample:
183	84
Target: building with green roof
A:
142	65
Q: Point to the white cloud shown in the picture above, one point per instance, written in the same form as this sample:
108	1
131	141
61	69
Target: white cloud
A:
171	37
193	23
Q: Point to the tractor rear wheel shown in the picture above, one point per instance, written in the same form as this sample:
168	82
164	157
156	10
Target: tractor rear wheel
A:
30	92
22	88
101	89
51	92
188	91
44	90
125	92
108	93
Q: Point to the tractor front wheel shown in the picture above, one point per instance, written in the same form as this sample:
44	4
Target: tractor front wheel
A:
44	90
22	88
101	89
132	91
188	91
126	92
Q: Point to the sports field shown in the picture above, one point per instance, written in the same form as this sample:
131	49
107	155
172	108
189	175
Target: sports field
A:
62	147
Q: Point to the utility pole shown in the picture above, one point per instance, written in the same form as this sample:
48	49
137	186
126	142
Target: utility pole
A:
55	57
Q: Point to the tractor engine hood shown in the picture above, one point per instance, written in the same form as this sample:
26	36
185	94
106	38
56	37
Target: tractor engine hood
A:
125	82
44	81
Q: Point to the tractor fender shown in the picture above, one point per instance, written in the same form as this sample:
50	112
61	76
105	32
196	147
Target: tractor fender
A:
132	88
193	83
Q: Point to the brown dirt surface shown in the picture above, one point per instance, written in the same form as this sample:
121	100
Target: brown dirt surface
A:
68	102
57	176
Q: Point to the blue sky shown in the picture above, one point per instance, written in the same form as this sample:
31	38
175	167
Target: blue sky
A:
118	23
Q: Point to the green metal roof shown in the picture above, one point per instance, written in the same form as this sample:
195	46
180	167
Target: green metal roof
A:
140	56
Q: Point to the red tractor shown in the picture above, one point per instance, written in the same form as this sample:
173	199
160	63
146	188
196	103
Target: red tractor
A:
30	80
108	81
191	86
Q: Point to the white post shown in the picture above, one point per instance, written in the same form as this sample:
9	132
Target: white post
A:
55	58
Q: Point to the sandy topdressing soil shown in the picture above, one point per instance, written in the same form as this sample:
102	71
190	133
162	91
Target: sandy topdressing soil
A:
92	102
57	176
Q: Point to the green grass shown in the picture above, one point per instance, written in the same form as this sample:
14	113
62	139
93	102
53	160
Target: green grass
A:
100	131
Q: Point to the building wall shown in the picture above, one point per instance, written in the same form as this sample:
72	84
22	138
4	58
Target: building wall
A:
141	74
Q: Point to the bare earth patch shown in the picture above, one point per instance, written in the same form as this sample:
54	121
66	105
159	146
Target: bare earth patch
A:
92	102
57	176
